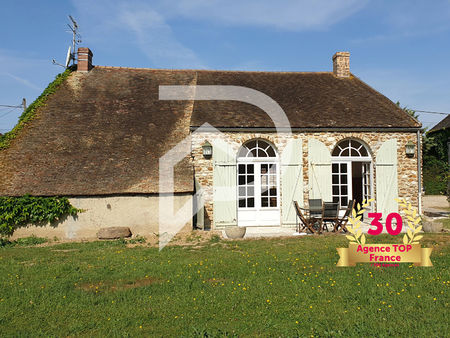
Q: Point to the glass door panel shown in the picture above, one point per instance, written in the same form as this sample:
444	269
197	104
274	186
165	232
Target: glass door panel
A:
269	185
341	183
246	185
367	193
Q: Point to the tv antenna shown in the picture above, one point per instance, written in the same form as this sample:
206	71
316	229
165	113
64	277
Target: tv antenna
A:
71	51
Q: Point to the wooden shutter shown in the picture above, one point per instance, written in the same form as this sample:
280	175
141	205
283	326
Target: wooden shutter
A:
319	170
199	201
224	184
386	178
291	180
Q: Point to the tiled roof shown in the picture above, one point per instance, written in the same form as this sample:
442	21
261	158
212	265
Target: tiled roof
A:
310	100
104	131
444	124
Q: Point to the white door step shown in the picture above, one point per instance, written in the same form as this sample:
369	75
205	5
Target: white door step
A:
253	232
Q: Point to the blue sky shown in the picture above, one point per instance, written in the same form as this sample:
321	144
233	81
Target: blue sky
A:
401	48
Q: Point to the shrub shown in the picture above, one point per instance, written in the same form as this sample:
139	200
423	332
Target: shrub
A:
435	176
17	212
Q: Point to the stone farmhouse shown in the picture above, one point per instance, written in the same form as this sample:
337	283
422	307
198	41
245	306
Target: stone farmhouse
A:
100	137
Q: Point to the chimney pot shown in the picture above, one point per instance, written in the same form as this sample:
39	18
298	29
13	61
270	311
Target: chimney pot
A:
84	59
341	64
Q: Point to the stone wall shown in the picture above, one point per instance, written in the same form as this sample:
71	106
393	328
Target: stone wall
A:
407	167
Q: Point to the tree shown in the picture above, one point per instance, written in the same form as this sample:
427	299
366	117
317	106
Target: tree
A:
435	162
434	158
410	112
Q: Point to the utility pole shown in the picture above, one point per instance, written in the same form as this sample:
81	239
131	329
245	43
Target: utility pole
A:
24	104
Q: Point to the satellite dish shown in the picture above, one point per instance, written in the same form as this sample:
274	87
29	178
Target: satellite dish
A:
69	56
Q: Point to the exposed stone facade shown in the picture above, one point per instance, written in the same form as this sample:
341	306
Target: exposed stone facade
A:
407	167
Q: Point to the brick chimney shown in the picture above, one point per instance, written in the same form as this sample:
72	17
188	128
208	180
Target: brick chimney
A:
341	64
84	59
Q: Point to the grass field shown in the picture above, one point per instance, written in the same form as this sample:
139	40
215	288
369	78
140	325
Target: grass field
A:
268	287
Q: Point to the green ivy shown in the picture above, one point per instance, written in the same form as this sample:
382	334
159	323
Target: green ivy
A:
17	212
29	113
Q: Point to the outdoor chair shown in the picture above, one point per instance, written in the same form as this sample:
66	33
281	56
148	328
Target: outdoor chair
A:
307	222
341	222
315	207
330	213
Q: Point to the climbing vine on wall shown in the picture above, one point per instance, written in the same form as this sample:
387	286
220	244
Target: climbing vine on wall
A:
17	212
29	113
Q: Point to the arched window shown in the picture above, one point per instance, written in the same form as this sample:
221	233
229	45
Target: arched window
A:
257	148
350	148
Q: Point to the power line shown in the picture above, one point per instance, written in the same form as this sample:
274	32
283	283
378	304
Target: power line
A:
430	112
9	106
9	111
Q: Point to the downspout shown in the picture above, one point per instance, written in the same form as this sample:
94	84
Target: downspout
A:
419	171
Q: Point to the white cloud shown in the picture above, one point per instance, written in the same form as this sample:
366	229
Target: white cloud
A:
156	39
111	22
118	23
404	19
24	82
292	15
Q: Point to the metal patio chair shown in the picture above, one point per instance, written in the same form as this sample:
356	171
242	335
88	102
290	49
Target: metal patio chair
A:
330	213
315	207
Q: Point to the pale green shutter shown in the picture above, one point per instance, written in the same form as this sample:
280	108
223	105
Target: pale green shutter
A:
200	214
291	180
319	170
224	184
386	174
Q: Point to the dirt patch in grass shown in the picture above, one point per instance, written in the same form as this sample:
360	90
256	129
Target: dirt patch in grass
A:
64	250
195	238
118	285
138	283
438	242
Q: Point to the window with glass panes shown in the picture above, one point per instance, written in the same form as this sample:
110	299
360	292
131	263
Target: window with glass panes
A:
340	182
246	188
268	185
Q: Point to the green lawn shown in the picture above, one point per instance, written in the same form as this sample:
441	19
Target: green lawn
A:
277	287
446	223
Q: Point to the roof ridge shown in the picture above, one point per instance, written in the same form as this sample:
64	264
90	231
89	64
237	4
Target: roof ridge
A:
214	70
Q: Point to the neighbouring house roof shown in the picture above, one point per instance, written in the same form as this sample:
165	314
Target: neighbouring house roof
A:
444	124
103	131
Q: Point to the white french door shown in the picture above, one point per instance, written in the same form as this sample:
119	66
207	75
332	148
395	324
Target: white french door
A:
342	183
258	193
367	191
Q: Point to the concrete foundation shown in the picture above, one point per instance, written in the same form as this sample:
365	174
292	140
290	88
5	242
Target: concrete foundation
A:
140	213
